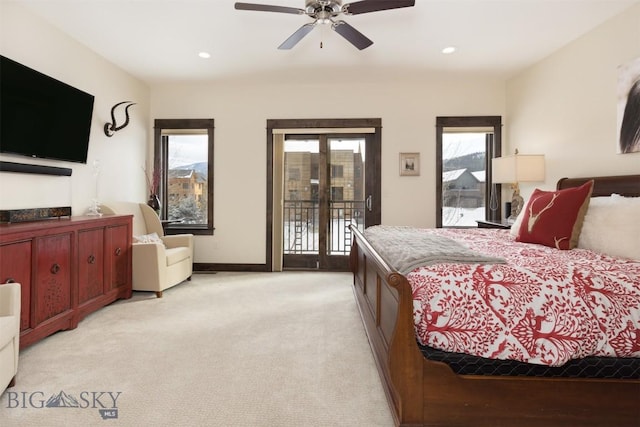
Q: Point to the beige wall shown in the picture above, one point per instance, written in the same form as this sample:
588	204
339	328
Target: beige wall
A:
566	105
33	42
241	109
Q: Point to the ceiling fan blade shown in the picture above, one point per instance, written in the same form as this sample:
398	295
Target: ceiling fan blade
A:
354	36
297	36
366	6
268	8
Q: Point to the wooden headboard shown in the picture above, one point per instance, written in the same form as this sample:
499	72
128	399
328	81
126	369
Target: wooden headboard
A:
625	185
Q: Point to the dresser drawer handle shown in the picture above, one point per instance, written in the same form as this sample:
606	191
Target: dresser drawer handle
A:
10	280
118	251
55	268
91	259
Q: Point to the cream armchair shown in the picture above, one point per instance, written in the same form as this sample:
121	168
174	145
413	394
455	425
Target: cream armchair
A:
156	265
9	333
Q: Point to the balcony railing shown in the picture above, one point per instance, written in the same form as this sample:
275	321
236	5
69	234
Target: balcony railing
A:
301	226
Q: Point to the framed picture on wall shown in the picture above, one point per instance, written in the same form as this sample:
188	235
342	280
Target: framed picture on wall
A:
628	140
409	164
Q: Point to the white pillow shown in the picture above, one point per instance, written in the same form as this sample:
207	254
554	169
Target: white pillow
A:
148	238
516	224
612	226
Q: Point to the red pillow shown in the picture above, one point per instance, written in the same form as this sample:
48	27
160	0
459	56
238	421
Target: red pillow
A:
554	218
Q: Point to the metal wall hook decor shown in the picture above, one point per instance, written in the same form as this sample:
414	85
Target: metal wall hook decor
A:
111	128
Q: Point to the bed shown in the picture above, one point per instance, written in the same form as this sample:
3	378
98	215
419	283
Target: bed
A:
424	390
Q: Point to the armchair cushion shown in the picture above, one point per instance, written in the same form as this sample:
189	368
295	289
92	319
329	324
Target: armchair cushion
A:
175	255
178	240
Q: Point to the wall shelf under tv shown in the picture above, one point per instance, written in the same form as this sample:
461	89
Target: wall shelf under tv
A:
37	169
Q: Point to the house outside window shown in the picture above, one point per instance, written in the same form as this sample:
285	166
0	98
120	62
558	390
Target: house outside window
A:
184	154
464	149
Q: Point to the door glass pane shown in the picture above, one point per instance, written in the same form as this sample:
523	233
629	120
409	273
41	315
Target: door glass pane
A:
301	196
463	178
187	182
346	203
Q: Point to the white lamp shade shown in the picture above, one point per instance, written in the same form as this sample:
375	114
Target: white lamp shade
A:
518	168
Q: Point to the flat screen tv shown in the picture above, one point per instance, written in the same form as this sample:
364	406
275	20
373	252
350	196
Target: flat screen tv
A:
41	116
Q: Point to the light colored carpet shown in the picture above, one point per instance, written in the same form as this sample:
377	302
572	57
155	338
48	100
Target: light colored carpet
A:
226	349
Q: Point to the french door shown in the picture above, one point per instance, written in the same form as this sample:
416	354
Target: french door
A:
324	194
323	176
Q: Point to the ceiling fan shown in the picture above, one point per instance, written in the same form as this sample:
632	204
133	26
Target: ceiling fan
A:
325	12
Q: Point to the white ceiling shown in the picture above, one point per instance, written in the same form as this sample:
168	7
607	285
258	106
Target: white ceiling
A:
159	40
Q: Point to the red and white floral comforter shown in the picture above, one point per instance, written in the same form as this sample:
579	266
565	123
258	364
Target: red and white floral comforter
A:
544	306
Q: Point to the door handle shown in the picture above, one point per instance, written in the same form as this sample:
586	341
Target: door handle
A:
369	203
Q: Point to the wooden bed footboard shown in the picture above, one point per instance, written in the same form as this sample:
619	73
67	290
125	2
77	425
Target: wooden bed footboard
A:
421	392
385	303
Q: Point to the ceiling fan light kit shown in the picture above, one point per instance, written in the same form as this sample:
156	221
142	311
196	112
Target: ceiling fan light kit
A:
325	12
324	9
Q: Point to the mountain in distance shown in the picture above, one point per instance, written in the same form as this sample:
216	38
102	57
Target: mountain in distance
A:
62	400
473	162
200	167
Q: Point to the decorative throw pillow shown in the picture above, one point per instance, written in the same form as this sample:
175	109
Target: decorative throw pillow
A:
148	238
612	227
554	218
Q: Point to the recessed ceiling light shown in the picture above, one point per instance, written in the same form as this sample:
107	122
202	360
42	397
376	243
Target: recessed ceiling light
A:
205	55
448	50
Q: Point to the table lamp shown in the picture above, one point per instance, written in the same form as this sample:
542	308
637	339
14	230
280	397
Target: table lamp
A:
515	169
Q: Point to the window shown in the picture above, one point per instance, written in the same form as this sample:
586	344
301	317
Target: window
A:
337	194
464	149
337	171
294	174
184	155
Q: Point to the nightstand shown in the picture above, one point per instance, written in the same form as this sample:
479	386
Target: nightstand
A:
493	224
